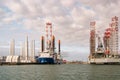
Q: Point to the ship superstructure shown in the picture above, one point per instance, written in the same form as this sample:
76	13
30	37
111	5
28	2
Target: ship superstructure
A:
107	46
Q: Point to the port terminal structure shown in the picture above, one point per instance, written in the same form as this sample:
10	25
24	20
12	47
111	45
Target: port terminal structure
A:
46	55
104	50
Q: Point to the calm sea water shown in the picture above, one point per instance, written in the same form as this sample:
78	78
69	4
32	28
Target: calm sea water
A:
60	72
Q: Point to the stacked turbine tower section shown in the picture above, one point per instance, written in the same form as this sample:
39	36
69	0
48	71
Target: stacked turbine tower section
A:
33	50
26	49
12	48
107	50
25	57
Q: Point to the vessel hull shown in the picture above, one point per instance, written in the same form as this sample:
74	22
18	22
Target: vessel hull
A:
45	61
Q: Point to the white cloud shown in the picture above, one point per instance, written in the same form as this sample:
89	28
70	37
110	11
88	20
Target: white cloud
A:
68	3
1	11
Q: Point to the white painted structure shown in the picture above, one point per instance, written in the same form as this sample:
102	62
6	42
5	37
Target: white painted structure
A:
12	47
26	48
104	60
13	59
16	59
33	50
9	59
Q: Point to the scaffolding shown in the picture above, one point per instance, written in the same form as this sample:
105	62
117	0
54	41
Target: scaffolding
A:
48	34
92	38
114	36
110	38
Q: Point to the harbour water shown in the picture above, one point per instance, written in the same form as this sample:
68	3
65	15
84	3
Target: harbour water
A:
60	72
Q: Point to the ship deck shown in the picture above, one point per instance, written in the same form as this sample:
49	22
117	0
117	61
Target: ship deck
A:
104	61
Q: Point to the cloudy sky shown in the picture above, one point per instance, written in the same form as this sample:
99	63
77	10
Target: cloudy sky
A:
70	19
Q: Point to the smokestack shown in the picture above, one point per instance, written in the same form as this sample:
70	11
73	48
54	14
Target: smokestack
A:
12	48
42	43
59	46
53	43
